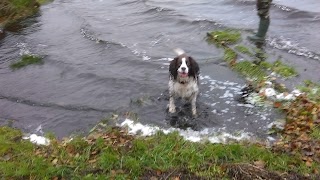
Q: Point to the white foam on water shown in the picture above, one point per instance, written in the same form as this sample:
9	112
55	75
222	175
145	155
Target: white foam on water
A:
270	92
146	58
39	140
274	95
39	129
208	134
227	91
280	123
291	47
227	94
24	49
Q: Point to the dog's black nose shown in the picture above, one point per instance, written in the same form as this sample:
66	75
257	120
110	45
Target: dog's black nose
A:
183	68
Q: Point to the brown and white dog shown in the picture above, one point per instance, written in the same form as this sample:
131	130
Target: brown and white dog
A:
184	72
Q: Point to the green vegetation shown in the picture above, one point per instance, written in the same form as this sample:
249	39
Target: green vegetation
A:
243	49
15	10
115	154
301	134
250	70
225	37
26	60
230	56
279	68
316	132
312	90
283	70
44	1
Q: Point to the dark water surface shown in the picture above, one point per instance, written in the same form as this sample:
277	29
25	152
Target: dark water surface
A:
102	55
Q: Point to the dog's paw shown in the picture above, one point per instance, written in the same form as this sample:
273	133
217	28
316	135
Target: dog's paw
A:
194	113
172	109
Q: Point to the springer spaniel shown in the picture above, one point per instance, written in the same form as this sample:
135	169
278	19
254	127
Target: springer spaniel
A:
184	72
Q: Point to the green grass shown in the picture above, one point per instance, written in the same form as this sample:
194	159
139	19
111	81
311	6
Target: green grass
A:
224	37
312	90
316	132
229	55
12	11
16	9
250	70
243	49
115	154
25	61
283	69
44	1
279	68
230	37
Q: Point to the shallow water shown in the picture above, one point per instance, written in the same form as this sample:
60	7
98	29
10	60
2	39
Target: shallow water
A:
102	55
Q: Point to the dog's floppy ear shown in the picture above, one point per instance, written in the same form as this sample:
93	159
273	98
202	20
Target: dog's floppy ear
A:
194	71
173	68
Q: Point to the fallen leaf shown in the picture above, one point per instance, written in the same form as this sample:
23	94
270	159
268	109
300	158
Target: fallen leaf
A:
308	163
158	172
93	152
277	104
54	162
260	164
153	178
92	161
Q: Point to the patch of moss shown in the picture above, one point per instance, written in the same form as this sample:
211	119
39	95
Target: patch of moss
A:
26	60
283	70
277	67
224	37
229	55
243	49
265	65
250	70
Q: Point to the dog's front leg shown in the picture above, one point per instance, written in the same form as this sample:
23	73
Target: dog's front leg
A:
172	106
193	104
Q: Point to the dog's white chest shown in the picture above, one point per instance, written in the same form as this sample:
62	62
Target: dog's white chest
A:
184	90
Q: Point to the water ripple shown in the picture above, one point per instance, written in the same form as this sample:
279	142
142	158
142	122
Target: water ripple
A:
293	48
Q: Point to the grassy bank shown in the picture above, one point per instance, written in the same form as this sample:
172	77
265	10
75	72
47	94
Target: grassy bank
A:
14	10
114	153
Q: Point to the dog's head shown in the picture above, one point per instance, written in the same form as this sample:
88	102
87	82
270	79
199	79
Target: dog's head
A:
183	66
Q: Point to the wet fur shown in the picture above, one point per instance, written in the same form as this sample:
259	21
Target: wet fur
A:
184	87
